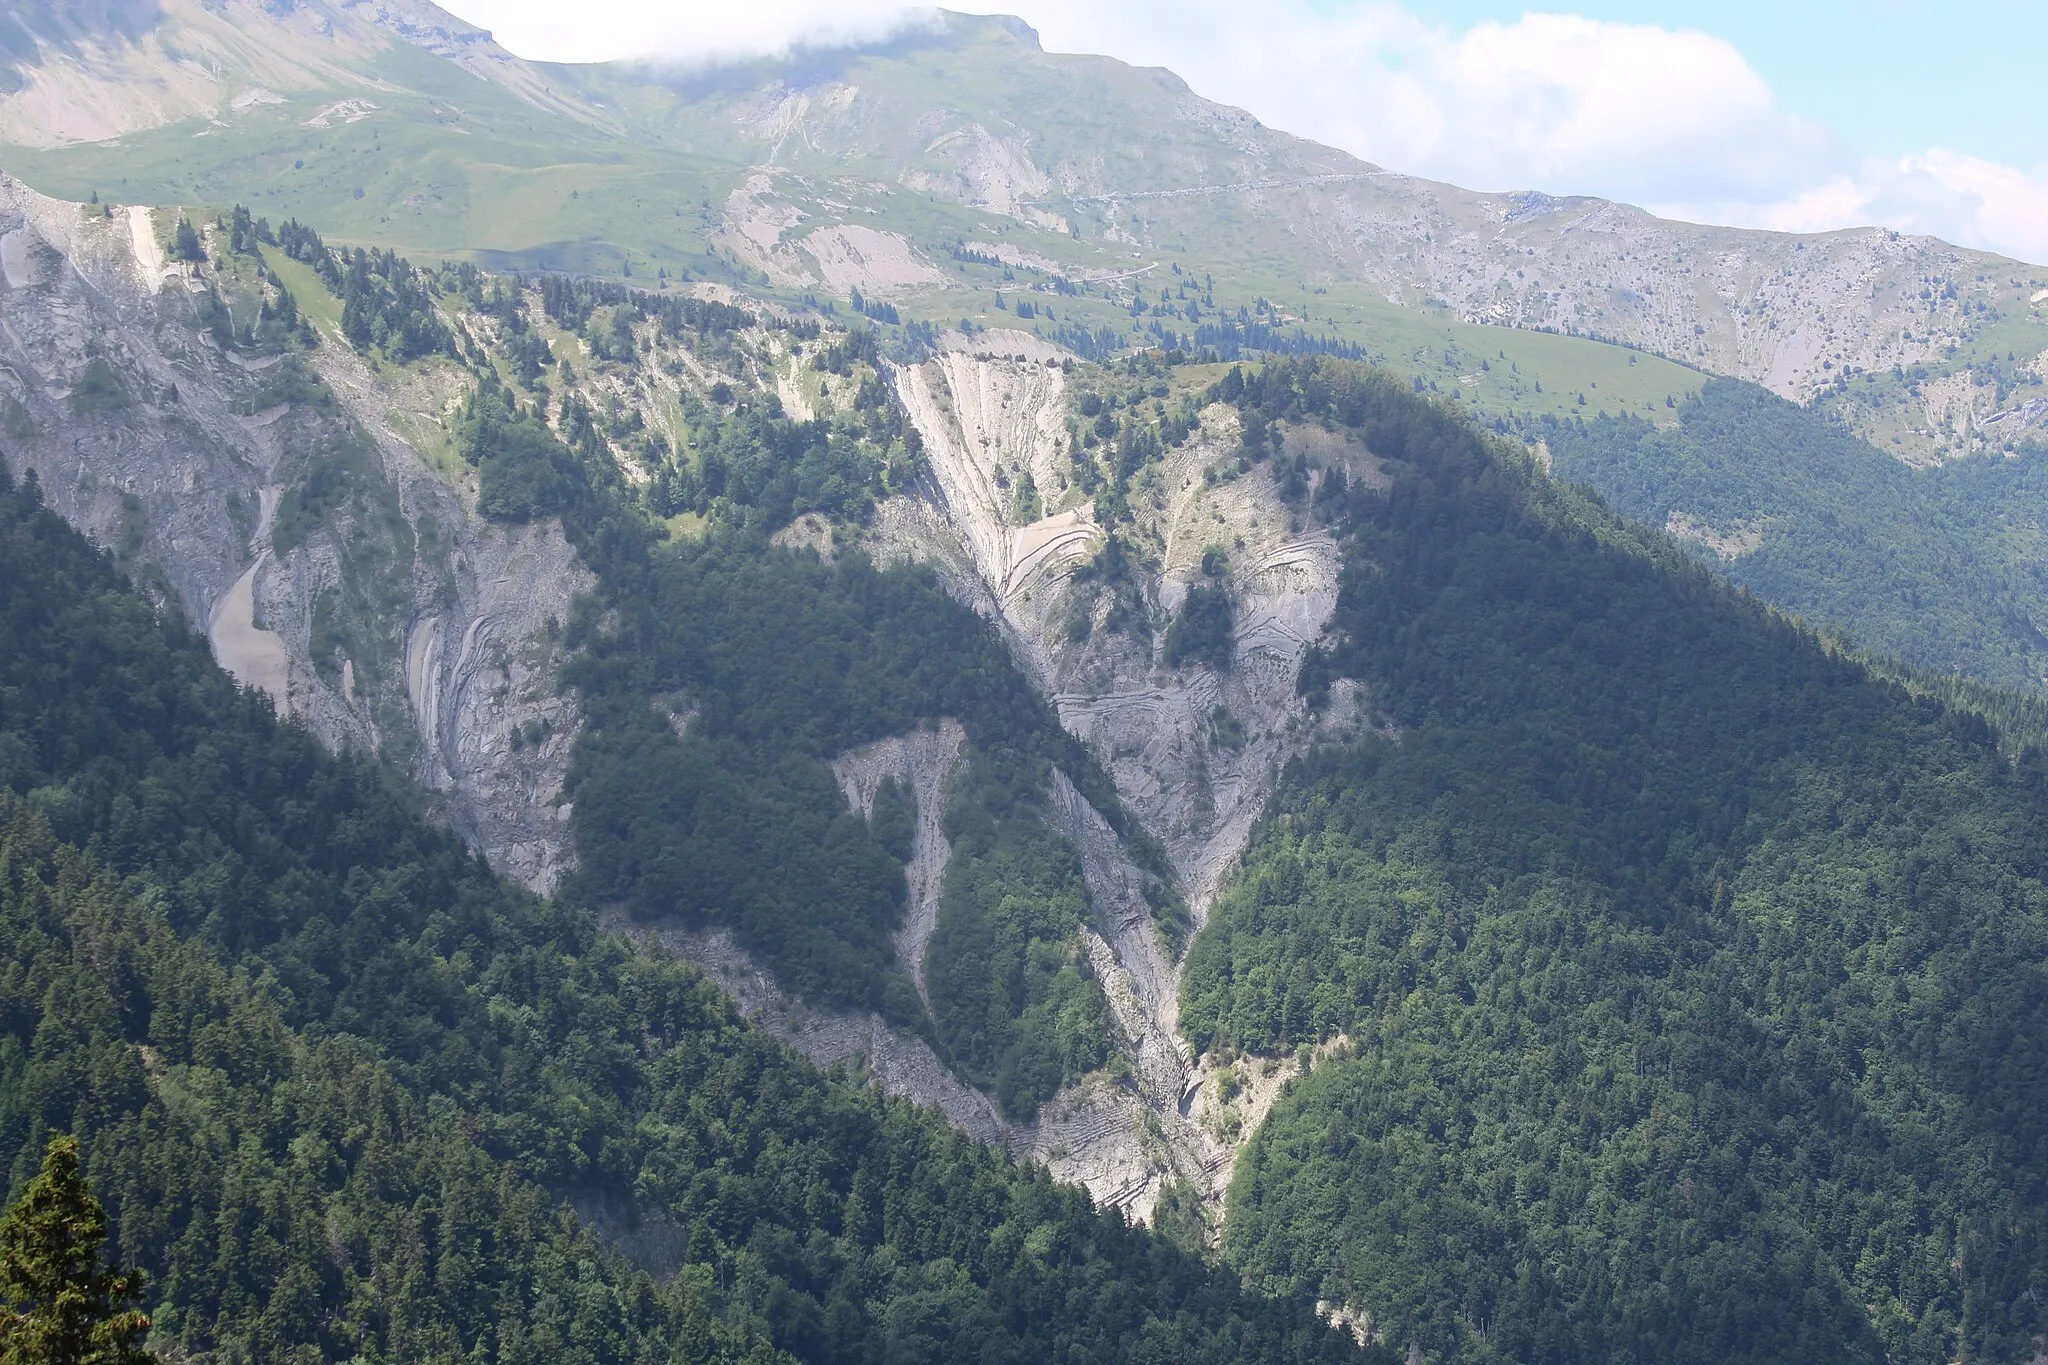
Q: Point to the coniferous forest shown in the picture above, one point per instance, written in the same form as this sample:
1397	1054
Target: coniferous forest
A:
851	694
342	1089
1689	976
1667	979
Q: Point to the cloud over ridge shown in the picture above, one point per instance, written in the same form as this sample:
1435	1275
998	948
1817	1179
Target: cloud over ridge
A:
1675	120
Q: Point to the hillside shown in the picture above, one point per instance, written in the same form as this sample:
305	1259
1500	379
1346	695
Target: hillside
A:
1685	979
350	1095
1253	793
1940	567
413	544
955	172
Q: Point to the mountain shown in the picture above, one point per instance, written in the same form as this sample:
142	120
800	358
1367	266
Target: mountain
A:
1939	567
407	562
1260	793
1665	946
960	165
1263	797
341	1086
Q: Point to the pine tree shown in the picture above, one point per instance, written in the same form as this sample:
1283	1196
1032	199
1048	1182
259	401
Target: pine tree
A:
185	242
60	1304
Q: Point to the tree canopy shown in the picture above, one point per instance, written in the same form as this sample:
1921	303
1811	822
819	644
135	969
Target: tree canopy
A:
60	1303
1690	974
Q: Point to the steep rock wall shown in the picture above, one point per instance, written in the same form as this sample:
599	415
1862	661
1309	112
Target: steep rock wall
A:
1194	751
177	452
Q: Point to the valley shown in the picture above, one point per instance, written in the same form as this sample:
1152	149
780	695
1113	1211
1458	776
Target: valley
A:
1085	727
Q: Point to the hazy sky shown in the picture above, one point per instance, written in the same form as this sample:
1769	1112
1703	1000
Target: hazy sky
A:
1802	114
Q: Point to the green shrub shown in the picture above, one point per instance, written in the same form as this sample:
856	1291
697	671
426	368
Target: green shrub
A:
1202	628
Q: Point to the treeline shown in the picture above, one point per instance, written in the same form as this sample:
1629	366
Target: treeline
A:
385	302
570	300
277	323
1691	974
754	470
336	1081
1245	338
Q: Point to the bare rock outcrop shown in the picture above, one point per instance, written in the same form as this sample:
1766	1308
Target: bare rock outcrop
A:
399	621
1194	751
923	763
392	616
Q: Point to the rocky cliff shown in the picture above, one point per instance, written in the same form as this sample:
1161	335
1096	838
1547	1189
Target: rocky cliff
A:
302	505
397	620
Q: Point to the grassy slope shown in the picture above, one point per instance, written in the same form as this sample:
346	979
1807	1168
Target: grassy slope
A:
452	166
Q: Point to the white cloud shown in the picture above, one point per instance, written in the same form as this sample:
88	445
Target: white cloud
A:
696	30
1675	120
1552	101
1963	199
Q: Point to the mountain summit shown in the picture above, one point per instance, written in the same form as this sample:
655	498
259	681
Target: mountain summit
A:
953	169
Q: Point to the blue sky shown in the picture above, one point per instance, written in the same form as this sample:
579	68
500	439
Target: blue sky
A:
1889	77
1801	115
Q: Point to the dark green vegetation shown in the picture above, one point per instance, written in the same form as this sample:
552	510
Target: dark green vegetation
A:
1940	567
60	1302
738	821
1693	977
782	662
523	471
1201	629
335	470
334	1079
751	468
385	302
1015	1006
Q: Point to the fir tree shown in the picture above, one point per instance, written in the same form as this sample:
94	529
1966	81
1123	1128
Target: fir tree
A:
63	1304
185	242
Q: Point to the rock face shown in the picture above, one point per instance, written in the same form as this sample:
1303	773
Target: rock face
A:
282	500
924	764
1194	751
402	621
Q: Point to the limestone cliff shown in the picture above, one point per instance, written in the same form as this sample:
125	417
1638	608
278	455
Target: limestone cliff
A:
399	621
302	505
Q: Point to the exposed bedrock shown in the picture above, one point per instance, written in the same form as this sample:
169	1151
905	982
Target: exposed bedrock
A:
177	453
1194	751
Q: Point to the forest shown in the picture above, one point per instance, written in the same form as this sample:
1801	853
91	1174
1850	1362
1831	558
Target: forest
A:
786	662
731	670
341	1087
1686	975
1668	977
1939	567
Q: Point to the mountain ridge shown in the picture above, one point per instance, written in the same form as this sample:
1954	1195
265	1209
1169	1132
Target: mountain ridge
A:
900	168
1257	792
1168	604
